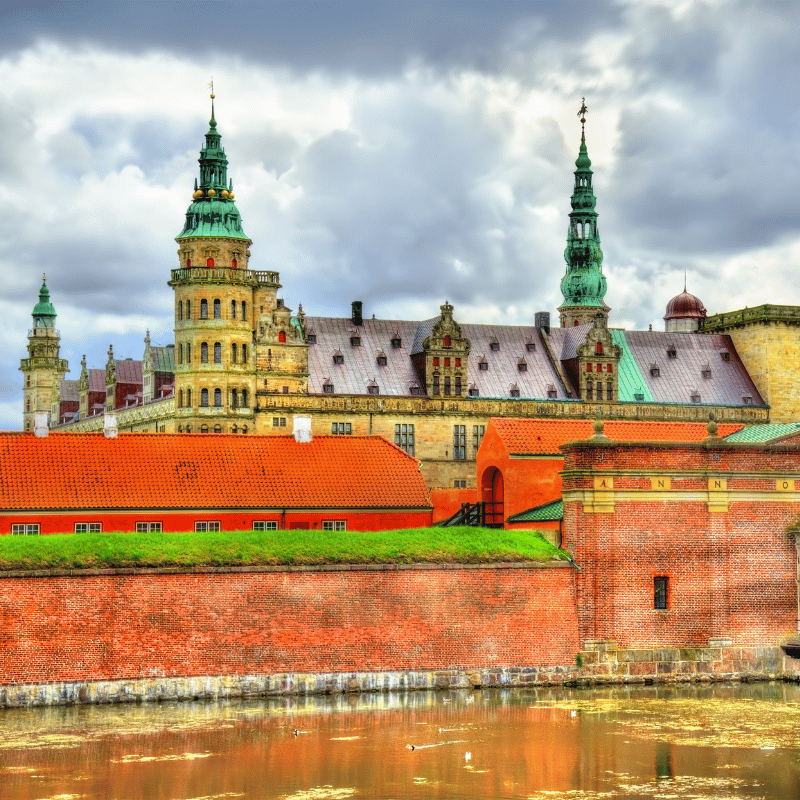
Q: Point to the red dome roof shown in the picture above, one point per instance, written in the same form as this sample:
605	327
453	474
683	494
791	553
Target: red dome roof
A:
685	306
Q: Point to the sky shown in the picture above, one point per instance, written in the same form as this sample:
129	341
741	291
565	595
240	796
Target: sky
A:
400	153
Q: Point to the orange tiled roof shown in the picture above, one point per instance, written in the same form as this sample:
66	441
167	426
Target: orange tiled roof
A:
141	471
546	436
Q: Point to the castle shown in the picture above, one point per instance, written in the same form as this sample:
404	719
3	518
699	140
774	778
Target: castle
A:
243	362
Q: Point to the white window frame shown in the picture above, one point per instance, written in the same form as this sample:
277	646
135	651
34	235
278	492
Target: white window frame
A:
88	527
334	524
149	527
26	529
206	526
265	525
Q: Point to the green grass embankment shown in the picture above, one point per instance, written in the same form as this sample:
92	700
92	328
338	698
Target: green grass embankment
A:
273	548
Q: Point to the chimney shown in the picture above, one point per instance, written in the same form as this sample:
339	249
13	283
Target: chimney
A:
302	428
358	319
542	321
110	425
41	428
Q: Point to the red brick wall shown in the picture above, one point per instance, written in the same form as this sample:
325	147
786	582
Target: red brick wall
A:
731	573
214	623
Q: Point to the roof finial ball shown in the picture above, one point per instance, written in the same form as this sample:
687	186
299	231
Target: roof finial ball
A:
582	113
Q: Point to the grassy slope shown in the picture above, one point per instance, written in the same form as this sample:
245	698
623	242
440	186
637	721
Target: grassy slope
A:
252	548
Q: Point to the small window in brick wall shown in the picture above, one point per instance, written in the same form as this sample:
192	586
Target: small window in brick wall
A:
660	593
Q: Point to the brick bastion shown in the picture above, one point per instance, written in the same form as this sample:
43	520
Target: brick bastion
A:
127	635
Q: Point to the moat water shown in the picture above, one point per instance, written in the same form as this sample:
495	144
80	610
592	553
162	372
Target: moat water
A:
715	741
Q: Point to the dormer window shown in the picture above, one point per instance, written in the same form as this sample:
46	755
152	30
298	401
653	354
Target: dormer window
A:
327	387
747	399
311	338
338	358
695	396
355	341
483	365
672	352
494	345
473	391
282	337
551	392
397	342
381	359
598	348
522	365
413	389
372	388
638	397
530	346
655	371
725	355
514	392
705	371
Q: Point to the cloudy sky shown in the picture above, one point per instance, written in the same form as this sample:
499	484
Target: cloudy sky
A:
401	153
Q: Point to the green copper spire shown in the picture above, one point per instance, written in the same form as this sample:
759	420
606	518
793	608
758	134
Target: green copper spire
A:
44	315
213	212
584	283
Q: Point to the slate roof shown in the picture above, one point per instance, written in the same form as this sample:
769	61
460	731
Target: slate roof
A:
97	380
141	471
548	512
128	371
764	433
69	390
544	437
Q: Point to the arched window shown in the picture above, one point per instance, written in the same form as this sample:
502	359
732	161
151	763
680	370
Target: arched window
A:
188	353
244	309
244	402
188	309
598	348
188	262
209	262
233	309
217	310
244	428
234	352
204	309
217	398
204	353
204	398
609	390
244	354
234	399
218	429
448	341
180	309
234	263
281	336
188	405
188	429
204	429
28	404
180	399
447	385
217	353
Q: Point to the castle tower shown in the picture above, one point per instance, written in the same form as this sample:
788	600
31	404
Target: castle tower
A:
218	300
42	369
584	285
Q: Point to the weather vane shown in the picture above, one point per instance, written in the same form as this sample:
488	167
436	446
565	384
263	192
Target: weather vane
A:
211	86
582	113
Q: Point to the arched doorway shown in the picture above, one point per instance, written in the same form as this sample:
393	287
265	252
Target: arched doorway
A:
492	496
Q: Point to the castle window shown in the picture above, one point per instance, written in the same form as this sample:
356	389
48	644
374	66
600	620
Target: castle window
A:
180	399
458	386
327	387
414	390
598	348
660	593
530	346
655	371
30	529
312	338
458	362
233	309
334	524
204	398
342	428
217	352
672	352
188	429
522	366
447	386
204	309
209	262
244	309
204	353
459	484
279	422
188	309
381	361
234	352
477	436
188	262
514	393
609	368
27	404
459	442
217	398
244	354
448	342
218	429
589	390
747	399
725	355
695	396
267	525
234	263
180	309
282	337
436	361
473	391
494	346
436	384
244	400
706	371
447	362
188	405
599	368
588	367
373	389
88	527
148	527
609	390
217	310
285	389
338	358
551	392
244	428
639	397
204	429
483	365
404	438
355	341
397	342
202	526
234	399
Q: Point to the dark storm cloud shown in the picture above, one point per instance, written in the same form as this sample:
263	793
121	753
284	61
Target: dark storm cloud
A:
374	36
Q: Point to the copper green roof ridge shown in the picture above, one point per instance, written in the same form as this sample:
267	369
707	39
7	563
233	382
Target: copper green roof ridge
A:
44	309
630	379
547	512
764	433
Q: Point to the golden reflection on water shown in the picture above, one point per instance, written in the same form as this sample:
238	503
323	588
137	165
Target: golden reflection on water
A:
738	742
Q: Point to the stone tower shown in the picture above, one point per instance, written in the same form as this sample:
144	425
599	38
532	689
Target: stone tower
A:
220	306
584	285
43	369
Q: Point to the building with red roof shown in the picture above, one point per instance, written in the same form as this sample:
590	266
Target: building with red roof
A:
138	482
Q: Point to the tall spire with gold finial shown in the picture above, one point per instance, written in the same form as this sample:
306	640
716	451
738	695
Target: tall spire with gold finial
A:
583	285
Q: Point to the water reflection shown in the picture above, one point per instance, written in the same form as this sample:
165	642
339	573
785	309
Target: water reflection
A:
649	742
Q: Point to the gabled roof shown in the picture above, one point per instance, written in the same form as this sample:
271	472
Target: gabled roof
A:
544	437
129	370
213	471
764	433
97	380
163	358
